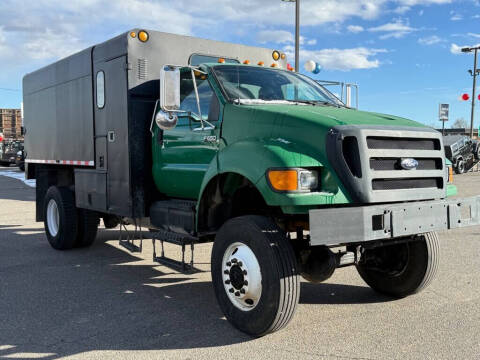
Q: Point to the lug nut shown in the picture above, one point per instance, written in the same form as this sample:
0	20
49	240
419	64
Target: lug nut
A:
231	290
240	264
226	272
229	263
237	293
227	282
244	272
242	291
234	261
245	283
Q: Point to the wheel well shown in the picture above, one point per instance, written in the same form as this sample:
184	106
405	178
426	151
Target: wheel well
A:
226	196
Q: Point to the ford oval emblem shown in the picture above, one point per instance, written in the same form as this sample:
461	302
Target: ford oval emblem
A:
409	163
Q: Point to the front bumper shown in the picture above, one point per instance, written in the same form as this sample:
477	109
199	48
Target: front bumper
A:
338	226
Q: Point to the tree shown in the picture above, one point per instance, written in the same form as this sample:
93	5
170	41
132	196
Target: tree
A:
460	123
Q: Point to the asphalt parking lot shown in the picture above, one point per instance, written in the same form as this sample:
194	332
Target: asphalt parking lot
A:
104	302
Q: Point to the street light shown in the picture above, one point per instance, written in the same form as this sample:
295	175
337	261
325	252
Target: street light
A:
474	74
297	33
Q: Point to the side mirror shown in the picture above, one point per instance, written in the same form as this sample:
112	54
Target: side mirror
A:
166	120
170	88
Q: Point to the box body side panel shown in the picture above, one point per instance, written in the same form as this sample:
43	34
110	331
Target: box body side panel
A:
58	110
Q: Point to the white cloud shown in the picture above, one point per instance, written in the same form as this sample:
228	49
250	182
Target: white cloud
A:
397	29
402	9
423	2
275	36
474	35
341	59
456	17
281	37
355	29
430	40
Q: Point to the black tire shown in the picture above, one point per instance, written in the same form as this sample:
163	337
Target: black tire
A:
67	228
403	269
280	281
110	221
460	168
4	163
87	227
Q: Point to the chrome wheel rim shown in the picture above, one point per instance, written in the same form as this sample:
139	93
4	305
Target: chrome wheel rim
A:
242	278
52	217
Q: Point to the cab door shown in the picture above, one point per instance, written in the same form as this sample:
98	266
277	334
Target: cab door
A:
185	153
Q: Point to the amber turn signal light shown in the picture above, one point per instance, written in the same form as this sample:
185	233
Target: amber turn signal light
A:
283	180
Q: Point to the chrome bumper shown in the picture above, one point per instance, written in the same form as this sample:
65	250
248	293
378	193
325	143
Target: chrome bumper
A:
336	226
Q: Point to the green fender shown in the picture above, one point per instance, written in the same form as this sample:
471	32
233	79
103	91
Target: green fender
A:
251	158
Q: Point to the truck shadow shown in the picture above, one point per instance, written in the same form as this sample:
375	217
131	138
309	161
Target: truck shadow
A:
55	303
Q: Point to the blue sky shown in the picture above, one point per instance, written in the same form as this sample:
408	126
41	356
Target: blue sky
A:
404	54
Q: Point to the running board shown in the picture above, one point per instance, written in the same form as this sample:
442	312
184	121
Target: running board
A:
182	240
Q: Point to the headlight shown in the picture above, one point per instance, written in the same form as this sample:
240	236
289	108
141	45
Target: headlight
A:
301	180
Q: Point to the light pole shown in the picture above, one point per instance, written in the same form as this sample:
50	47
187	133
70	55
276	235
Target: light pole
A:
474	74
297	33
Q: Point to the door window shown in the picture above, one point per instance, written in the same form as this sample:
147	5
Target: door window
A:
188	100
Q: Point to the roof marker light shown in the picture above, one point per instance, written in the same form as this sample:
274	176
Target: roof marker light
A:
276	55
246	62
133	34
221	61
261	63
283	56
143	36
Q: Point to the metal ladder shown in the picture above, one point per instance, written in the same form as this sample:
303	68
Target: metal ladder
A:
182	240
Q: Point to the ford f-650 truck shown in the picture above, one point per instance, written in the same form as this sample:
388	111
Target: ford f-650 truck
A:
200	140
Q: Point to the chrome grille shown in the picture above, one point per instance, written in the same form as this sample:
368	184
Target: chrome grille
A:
370	167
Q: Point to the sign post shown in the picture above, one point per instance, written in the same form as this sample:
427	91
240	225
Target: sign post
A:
443	112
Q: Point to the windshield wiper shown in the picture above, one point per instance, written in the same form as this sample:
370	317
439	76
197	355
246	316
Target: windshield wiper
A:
316	102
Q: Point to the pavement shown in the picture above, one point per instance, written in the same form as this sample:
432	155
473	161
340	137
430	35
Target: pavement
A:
106	303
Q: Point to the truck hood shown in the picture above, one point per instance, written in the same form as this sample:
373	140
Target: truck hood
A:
325	116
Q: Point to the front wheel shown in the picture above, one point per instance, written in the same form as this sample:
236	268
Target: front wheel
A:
402	269
255	275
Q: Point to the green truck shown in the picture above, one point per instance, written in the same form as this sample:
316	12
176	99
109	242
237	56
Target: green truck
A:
206	141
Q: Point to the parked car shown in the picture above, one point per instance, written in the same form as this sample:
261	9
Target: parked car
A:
8	151
461	151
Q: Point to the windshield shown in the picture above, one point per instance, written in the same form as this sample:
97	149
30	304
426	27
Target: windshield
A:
250	85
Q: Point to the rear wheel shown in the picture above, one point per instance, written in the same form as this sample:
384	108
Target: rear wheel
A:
402	269
4	163
60	217
87	227
255	275
460	168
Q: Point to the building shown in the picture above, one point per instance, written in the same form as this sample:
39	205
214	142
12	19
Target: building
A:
11	123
